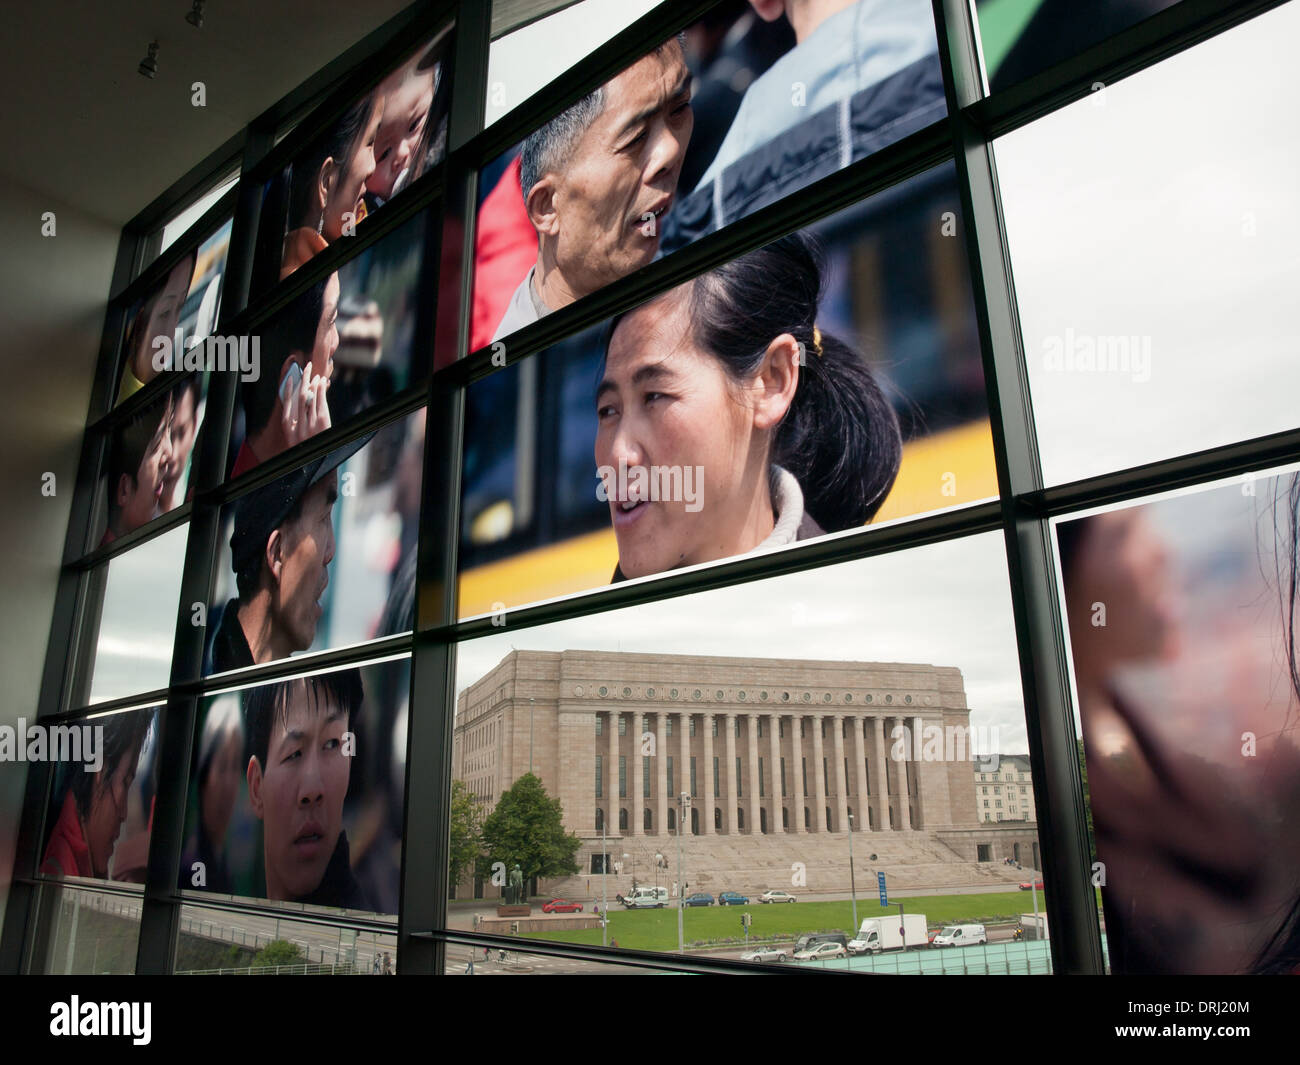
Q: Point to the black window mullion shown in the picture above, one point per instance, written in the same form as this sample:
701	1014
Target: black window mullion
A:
1049	717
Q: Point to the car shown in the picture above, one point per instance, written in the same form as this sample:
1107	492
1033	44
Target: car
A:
1027	885
731	898
776	896
818	951
699	900
561	906
764	954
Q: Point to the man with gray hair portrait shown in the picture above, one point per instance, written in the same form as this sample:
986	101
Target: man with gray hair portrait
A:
597	181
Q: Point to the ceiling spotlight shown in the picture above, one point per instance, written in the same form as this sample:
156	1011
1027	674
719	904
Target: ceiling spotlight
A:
195	17
149	64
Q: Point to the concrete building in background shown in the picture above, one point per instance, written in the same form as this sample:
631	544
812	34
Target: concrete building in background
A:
781	752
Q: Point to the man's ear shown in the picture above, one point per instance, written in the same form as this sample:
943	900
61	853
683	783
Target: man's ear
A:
254	775
274	556
773	389
540	204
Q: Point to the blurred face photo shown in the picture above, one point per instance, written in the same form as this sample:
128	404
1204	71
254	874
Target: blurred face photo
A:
183	429
108	811
221	787
164	315
302	550
604	209
299	794
327	332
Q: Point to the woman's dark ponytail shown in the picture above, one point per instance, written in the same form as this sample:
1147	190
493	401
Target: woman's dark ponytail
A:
840	437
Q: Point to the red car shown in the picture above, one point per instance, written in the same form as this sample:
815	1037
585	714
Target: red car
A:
561	906
1026	885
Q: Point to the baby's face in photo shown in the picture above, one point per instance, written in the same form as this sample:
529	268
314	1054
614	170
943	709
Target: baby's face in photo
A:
406	110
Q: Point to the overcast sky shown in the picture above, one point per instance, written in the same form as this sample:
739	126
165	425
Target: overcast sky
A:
943	605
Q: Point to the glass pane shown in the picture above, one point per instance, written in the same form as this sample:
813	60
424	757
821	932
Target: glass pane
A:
894	746
322	557
179	313
1019	38
137	620
176	228
353	329
734	114
296	790
91	933
528	59
1181	616
364	157
219	942
890	420
101	808
1154	266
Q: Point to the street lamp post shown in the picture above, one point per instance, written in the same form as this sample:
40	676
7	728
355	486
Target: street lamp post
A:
604	887
681	877
853	884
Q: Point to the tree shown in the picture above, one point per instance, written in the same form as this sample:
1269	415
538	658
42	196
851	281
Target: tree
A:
527	827
466	837
278	952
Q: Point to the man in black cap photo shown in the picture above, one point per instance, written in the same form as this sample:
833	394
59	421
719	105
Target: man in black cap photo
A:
281	548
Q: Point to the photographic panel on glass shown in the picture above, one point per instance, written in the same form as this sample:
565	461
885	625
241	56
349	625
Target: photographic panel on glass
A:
297	789
1153	268
703	130
92	933
100	814
322	557
730	753
362	158
148	470
221	942
132	627
826	380
338	348
1181	619
168	330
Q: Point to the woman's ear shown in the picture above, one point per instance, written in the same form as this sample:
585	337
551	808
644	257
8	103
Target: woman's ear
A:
254	776
774	387
329	173
125	490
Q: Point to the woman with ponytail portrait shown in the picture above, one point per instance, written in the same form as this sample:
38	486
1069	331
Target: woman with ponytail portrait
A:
727	385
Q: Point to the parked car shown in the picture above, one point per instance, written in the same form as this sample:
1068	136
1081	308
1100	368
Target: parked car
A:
824	949
776	896
731	898
699	900
811	939
1027	885
561	906
764	954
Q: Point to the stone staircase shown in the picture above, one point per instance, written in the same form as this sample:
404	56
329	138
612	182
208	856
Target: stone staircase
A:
751	865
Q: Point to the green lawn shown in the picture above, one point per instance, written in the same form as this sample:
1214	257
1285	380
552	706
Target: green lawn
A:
657	929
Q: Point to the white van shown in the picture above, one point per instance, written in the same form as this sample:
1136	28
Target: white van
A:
961	935
644	898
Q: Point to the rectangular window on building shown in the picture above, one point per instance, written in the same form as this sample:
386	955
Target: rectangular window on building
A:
717	784
600	777
693	791
760	728
739	791
848	788
622	776
780	727
736	727
645	776
803	771
826	777
783	778
762	791
715	726
692	726
671	789
622	725
668	731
